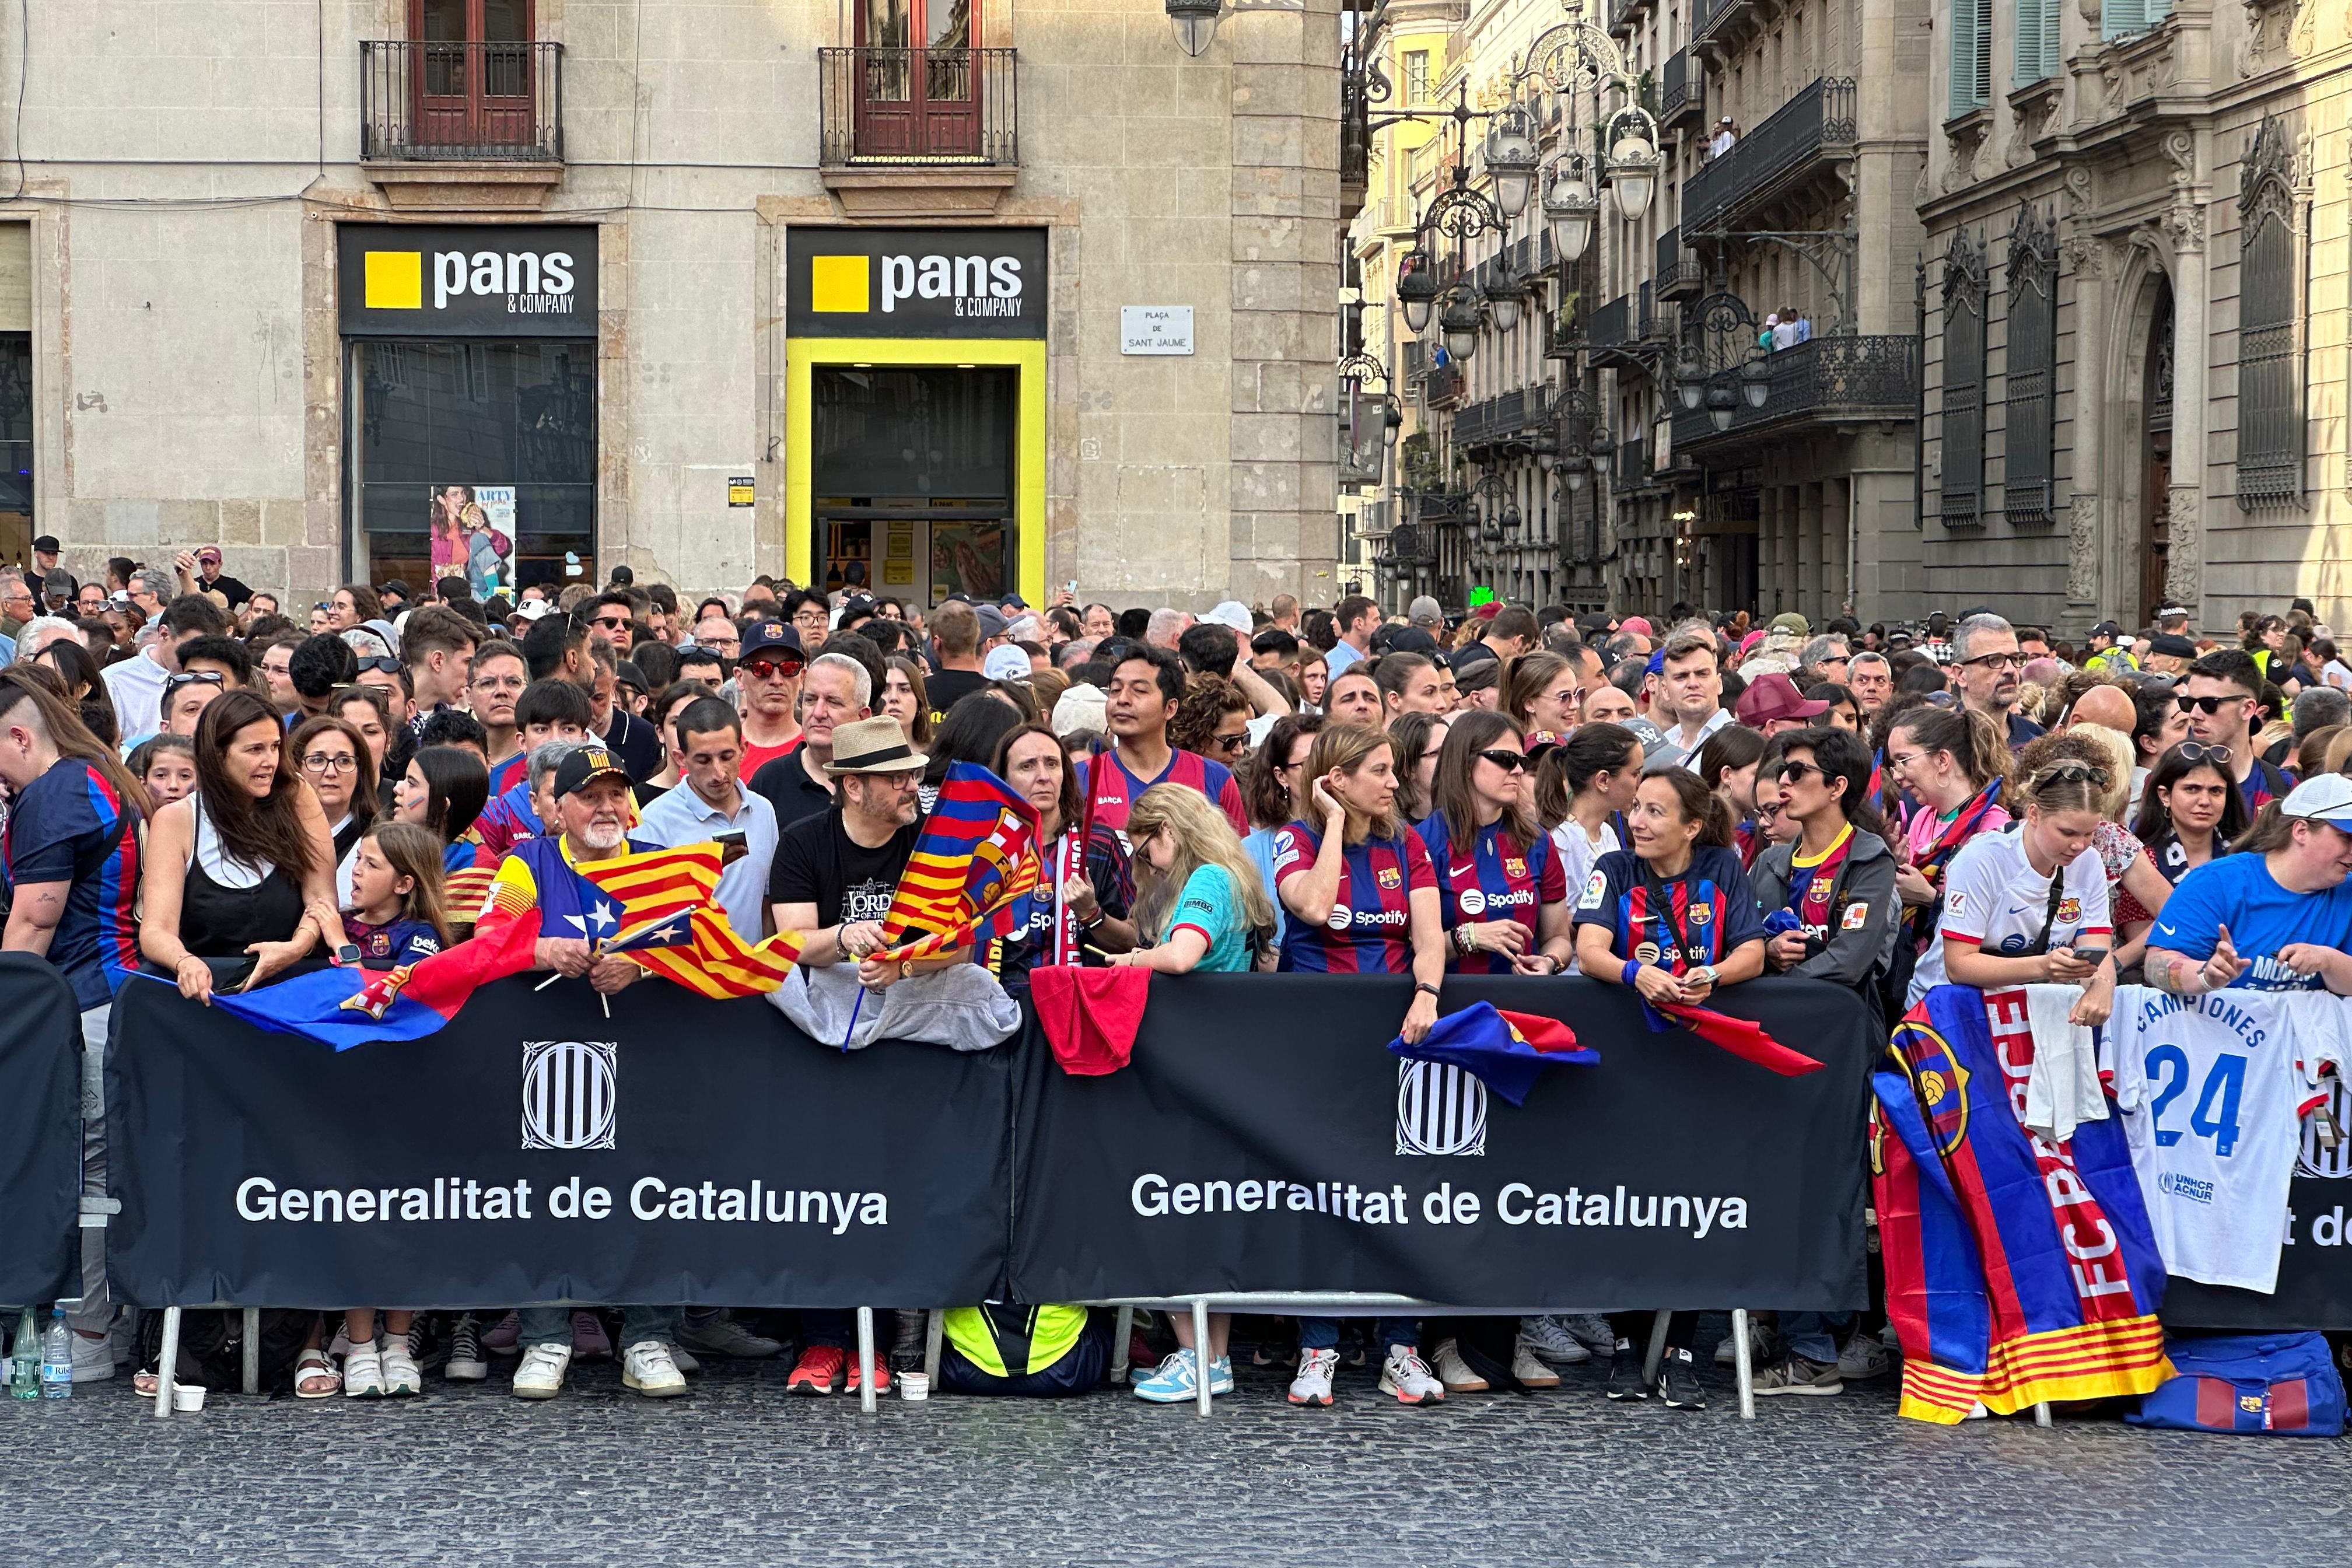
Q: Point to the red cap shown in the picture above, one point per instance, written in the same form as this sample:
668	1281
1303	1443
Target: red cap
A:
1775	696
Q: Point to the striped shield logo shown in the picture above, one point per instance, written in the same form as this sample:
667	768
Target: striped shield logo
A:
1441	1110
568	1093
2316	1159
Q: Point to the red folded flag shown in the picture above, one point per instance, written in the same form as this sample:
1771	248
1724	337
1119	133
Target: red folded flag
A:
1741	1038
1544	1034
1091	1014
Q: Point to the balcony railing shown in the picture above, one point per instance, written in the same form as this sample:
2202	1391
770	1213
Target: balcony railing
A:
1818	123
1493	419
1678	271
461	102
1411	544
919	106
1828	380
1709	17
1443	384
1679	90
1611	324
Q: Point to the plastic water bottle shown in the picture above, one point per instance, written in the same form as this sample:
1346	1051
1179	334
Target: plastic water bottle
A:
24	1361
56	1358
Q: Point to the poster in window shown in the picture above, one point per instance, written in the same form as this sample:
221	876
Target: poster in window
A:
968	558
473	528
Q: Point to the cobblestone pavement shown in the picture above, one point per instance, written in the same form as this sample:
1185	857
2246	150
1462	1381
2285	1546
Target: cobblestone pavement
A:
738	1475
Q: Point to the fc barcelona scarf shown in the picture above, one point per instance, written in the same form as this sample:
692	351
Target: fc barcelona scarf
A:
1920	921
2017	1271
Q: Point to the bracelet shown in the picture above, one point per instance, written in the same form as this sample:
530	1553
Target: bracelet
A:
1424	988
1625	975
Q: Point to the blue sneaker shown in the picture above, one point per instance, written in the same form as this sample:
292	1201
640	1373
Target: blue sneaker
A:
1174	1382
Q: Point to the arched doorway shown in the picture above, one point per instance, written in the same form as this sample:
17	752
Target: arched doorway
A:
2135	442
2155	457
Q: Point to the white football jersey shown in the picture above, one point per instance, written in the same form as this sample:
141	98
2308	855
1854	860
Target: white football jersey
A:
2213	1092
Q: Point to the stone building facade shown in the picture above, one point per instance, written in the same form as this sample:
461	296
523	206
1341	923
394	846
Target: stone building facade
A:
2135	281
738	287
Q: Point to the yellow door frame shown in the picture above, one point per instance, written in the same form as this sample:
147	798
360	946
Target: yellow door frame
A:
1027	356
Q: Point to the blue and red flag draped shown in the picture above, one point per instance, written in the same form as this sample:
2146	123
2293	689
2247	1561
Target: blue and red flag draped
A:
2017	1271
1506	1051
978	852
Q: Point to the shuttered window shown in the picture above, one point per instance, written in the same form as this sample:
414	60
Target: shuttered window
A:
2037	40
1971	55
2121	18
2030	407
1963	361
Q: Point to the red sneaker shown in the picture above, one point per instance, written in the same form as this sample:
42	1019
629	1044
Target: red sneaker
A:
881	1375
817	1372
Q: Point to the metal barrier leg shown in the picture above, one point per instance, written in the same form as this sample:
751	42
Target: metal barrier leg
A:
1120	1371
1200	1350
866	1360
1657	1352
2041	1414
1742	1373
167	1363
934	1331
253	1350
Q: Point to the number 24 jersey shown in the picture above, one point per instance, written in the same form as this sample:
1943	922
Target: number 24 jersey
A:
2213	1090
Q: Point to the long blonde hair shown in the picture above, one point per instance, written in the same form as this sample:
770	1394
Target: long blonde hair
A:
1203	838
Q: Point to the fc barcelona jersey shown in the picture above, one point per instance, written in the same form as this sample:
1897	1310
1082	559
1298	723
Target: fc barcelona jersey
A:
1494	878
1369	931
1115	788
1678	924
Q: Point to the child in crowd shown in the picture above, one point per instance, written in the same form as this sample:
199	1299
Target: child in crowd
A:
396	915
166	764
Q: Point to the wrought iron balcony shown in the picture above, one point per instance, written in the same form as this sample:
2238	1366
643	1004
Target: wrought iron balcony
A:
461	102
1443	384
1678	276
1814	387
1680	96
1410	544
1493	420
881	106
1804	136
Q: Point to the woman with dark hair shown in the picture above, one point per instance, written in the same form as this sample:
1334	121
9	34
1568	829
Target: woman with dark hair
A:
1419	738
1543	693
1727	766
84	687
970	732
245	867
1953	762
2191	810
1846	708
1273	791
1583	789
445	789
1924	678
1362	898
904	698
1082	899
1673	918
1499	878
335	764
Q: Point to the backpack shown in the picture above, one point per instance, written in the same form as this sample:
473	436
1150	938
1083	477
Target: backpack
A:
2271	1385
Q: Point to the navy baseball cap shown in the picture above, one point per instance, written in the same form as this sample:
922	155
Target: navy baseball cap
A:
583	765
775	641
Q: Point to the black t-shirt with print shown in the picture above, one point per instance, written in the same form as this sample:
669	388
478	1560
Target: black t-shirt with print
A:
818	863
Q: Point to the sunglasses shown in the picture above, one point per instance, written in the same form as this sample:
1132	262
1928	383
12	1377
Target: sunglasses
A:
379	664
612	623
1230	744
1510	761
2192	751
1788	771
194	678
775	667
2208	706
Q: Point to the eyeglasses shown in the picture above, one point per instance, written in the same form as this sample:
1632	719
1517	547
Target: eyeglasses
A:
2192	751
2206	705
1998	660
378	664
325	762
1510	761
809	618
191	677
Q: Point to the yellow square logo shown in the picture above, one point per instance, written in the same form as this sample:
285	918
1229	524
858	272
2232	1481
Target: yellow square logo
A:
395	280
838	285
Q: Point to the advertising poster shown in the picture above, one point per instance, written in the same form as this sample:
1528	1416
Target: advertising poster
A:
473	529
967	558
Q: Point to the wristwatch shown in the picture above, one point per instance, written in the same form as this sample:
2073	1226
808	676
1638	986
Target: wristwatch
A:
1704	968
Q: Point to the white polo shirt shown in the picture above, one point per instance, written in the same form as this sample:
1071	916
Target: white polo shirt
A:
679	816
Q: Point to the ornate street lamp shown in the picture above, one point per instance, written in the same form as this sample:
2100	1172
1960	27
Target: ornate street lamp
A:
1463	314
1506	291
1195	22
1571	207
1511	159
1633	172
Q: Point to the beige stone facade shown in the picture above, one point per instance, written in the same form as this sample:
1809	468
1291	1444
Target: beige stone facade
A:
186	169
2187	166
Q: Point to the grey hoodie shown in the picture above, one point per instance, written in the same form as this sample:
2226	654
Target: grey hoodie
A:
1867	884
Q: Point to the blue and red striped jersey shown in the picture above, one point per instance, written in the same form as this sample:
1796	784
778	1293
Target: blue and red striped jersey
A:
70	825
1370	928
1678	923
1115	788
1496	878
505	775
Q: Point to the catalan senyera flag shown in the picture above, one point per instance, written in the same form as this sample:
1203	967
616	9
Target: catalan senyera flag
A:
977	853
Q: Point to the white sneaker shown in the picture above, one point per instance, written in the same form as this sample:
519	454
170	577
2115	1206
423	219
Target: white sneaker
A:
1863	1356
722	1336
1760	1348
401	1373
540	1375
1452	1371
646	1368
1548	1337
1407	1376
1531	1369
1313	1384
93	1359
363	1372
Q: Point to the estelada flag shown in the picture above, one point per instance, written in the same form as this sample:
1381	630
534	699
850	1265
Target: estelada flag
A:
350	1007
701	949
978	852
1506	1051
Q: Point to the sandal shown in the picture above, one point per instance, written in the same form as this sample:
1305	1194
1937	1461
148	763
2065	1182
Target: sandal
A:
363	1372
401	1373
311	1369
144	1383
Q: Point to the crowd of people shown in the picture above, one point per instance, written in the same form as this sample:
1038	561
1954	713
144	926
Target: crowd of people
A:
199	786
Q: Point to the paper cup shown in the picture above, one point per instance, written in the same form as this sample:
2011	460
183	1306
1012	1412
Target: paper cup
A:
914	1385
187	1397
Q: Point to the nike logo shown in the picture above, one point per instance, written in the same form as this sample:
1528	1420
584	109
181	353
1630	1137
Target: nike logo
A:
2165	929
1470	869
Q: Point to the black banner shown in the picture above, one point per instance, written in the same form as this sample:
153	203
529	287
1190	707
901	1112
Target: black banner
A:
2315	1278
40	1132
502	280
915	283
681	1150
1263	1139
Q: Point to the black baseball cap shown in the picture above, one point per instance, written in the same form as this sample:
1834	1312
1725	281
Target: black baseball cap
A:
583	764
46	545
2106	629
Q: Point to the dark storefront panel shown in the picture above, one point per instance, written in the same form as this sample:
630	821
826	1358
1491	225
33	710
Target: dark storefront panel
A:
16	527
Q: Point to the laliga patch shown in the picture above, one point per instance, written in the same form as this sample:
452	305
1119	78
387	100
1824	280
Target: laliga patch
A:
1596	890
1474	902
1956	901
1389	878
1285	847
1856	917
2069	911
